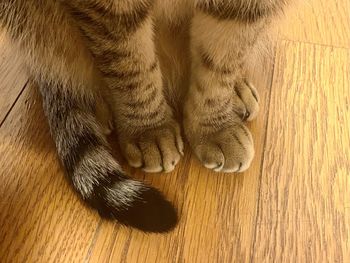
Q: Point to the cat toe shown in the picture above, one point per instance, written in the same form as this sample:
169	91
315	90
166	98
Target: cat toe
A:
132	153
230	150
156	150
152	159
210	155
169	151
249	97
238	152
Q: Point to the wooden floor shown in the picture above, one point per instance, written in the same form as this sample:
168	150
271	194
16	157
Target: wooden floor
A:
292	205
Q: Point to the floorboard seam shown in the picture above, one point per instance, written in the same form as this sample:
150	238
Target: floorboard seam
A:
314	43
13	104
263	157
93	242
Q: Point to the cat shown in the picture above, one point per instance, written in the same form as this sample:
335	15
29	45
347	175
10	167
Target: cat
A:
146	66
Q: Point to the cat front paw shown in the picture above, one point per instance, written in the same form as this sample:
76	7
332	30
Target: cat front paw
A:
155	150
214	125
228	150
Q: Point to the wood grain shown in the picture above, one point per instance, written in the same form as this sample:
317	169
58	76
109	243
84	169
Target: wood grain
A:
306	173
13	77
318	21
41	218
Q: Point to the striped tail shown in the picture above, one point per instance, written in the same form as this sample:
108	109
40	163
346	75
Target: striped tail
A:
92	170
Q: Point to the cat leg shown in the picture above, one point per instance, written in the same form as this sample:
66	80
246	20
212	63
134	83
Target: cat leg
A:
220	98
121	39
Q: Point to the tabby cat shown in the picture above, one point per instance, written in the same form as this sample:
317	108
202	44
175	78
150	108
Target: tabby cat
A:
142	65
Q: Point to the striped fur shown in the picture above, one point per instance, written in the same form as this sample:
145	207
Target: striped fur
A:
127	61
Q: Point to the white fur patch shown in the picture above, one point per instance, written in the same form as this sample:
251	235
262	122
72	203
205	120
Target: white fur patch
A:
94	167
124	193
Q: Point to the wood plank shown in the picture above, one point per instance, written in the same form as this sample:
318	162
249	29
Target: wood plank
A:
306	173
318	21
217	211
13	77
41	218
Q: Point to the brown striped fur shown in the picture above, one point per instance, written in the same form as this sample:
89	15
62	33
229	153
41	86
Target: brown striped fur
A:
141	64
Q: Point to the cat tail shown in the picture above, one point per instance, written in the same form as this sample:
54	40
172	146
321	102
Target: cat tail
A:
52	49
90	166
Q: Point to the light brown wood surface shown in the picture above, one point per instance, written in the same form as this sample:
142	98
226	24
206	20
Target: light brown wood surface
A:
292	205
321	22
13	77
305	180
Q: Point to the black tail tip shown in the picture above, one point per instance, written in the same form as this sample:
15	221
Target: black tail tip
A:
149	212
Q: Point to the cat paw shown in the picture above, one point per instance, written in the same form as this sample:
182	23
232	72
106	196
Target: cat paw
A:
228	150
155	150
246	100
